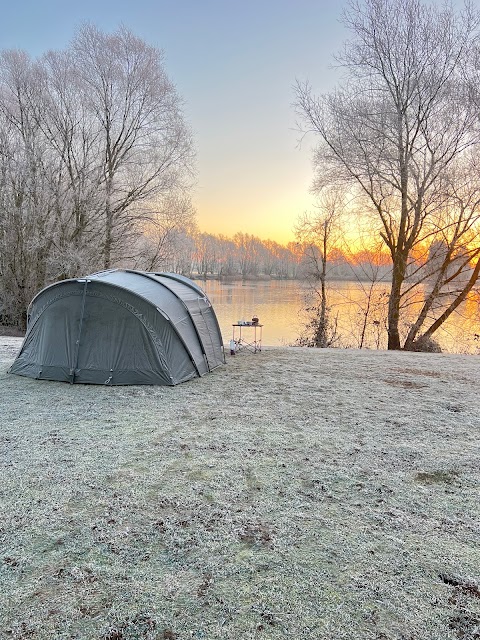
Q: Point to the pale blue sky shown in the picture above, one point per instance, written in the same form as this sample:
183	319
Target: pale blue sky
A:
234	65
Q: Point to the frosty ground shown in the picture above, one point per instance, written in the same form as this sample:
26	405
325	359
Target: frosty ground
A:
295	493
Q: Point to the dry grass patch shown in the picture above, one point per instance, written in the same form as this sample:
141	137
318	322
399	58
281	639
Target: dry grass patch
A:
291	494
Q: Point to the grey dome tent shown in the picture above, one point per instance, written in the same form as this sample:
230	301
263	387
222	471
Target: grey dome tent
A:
121	327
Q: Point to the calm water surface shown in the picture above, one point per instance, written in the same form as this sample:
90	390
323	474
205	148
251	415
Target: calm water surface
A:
278	304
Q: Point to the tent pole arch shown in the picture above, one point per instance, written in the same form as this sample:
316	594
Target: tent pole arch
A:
200	341
191	285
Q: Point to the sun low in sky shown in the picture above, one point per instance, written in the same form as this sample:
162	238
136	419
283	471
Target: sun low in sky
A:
234	64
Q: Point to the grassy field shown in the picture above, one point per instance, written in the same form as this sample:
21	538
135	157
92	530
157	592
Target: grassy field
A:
291	494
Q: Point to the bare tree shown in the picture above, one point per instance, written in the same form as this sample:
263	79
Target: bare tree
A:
452	267
397	126
318	234
146	148
72	137
170	224
209	250
249	253
244	255
368	269
27	194
94	151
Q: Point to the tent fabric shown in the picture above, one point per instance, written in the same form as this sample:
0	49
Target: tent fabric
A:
201	312
121	327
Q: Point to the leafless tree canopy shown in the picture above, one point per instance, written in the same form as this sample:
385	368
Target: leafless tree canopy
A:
317	235
94	151
402	133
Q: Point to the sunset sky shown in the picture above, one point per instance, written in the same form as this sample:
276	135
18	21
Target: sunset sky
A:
234	65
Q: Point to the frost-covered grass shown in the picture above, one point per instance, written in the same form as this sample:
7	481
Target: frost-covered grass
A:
291	494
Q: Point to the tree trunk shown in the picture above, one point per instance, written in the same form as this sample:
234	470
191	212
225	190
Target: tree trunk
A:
398	276
322	337
107	247
456	303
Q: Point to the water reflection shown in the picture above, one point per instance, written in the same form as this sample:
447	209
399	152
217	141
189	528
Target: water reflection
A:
278	304
275	303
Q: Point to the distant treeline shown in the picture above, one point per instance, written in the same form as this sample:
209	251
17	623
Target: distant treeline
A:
245	256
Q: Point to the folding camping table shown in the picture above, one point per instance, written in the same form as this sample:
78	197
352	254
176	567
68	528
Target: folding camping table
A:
252	341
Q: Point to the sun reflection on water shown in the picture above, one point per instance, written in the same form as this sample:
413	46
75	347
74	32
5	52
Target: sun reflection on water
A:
278	305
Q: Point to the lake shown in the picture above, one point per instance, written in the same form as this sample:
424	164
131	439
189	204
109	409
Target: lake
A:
278	305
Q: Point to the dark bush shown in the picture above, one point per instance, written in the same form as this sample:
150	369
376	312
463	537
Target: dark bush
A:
427	345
